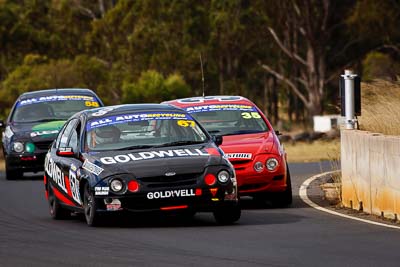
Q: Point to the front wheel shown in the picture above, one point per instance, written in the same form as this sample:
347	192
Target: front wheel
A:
227	215
285	198
12	174
90	207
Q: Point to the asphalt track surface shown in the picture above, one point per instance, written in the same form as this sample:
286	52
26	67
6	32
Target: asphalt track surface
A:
264	236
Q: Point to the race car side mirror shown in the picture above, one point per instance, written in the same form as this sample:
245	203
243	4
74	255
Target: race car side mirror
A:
278	133
65	152
217	139
1	123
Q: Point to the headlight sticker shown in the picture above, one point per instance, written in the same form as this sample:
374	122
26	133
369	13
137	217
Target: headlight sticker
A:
92	168
8	132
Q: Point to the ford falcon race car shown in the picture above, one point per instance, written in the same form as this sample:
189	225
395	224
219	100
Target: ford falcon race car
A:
250	143
34	122
143	157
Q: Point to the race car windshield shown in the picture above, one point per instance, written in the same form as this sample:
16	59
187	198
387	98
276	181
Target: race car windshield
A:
231	122
51	108
141	131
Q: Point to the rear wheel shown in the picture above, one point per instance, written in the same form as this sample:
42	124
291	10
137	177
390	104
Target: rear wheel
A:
57	212
90	207
227	215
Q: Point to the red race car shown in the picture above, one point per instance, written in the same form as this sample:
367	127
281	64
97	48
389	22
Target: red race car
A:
249	142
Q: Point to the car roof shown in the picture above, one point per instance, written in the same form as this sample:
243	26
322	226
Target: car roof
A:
129	108
61	91
206	100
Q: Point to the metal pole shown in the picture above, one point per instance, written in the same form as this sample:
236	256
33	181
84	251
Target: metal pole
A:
349	97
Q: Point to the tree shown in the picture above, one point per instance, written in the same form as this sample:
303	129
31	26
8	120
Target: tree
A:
153	87
305	39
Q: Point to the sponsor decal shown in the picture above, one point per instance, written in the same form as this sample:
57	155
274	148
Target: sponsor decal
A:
171	193
55	173
124	158
8	132
55	98
74	185
114	205
239	155
47	128
92	168
101	190
222	107
102	111
136	117
39	133
203	99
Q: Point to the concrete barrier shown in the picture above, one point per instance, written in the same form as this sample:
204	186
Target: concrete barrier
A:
370	166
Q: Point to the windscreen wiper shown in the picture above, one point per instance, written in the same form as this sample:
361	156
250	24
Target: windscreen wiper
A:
244	132
181	143
135	147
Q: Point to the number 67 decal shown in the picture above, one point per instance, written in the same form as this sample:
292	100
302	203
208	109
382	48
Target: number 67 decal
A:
249	115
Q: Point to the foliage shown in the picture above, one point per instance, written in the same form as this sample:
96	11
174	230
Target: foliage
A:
110	46
153	87
380	107
39	72
380	65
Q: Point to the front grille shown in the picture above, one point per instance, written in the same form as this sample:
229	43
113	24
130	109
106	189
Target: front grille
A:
239	162
171	181
44	145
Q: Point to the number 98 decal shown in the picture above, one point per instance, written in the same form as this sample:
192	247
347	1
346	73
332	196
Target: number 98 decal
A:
249	115
74	183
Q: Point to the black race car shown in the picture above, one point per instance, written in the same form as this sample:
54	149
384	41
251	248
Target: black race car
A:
34	122
143	157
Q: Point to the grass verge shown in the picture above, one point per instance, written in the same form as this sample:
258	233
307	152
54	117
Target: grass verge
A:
311	152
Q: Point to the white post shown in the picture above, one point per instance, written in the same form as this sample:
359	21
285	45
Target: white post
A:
349	97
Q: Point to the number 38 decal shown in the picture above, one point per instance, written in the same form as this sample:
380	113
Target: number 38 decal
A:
249	115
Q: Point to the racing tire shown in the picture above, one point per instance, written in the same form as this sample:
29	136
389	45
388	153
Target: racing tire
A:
12	174
90	207
285	198
57	212
227	215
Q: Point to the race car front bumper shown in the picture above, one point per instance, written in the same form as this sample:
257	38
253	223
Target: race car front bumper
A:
198	199
24	162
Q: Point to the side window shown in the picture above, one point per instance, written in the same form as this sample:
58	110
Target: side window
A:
59	136
64	137
74	139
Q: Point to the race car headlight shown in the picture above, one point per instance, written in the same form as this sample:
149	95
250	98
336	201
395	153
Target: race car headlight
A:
29	147
223	176
18	147
271	164
116	185
258	166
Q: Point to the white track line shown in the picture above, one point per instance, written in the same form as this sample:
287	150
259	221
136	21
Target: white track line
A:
304	197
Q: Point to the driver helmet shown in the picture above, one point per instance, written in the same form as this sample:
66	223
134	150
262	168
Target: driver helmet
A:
106	134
